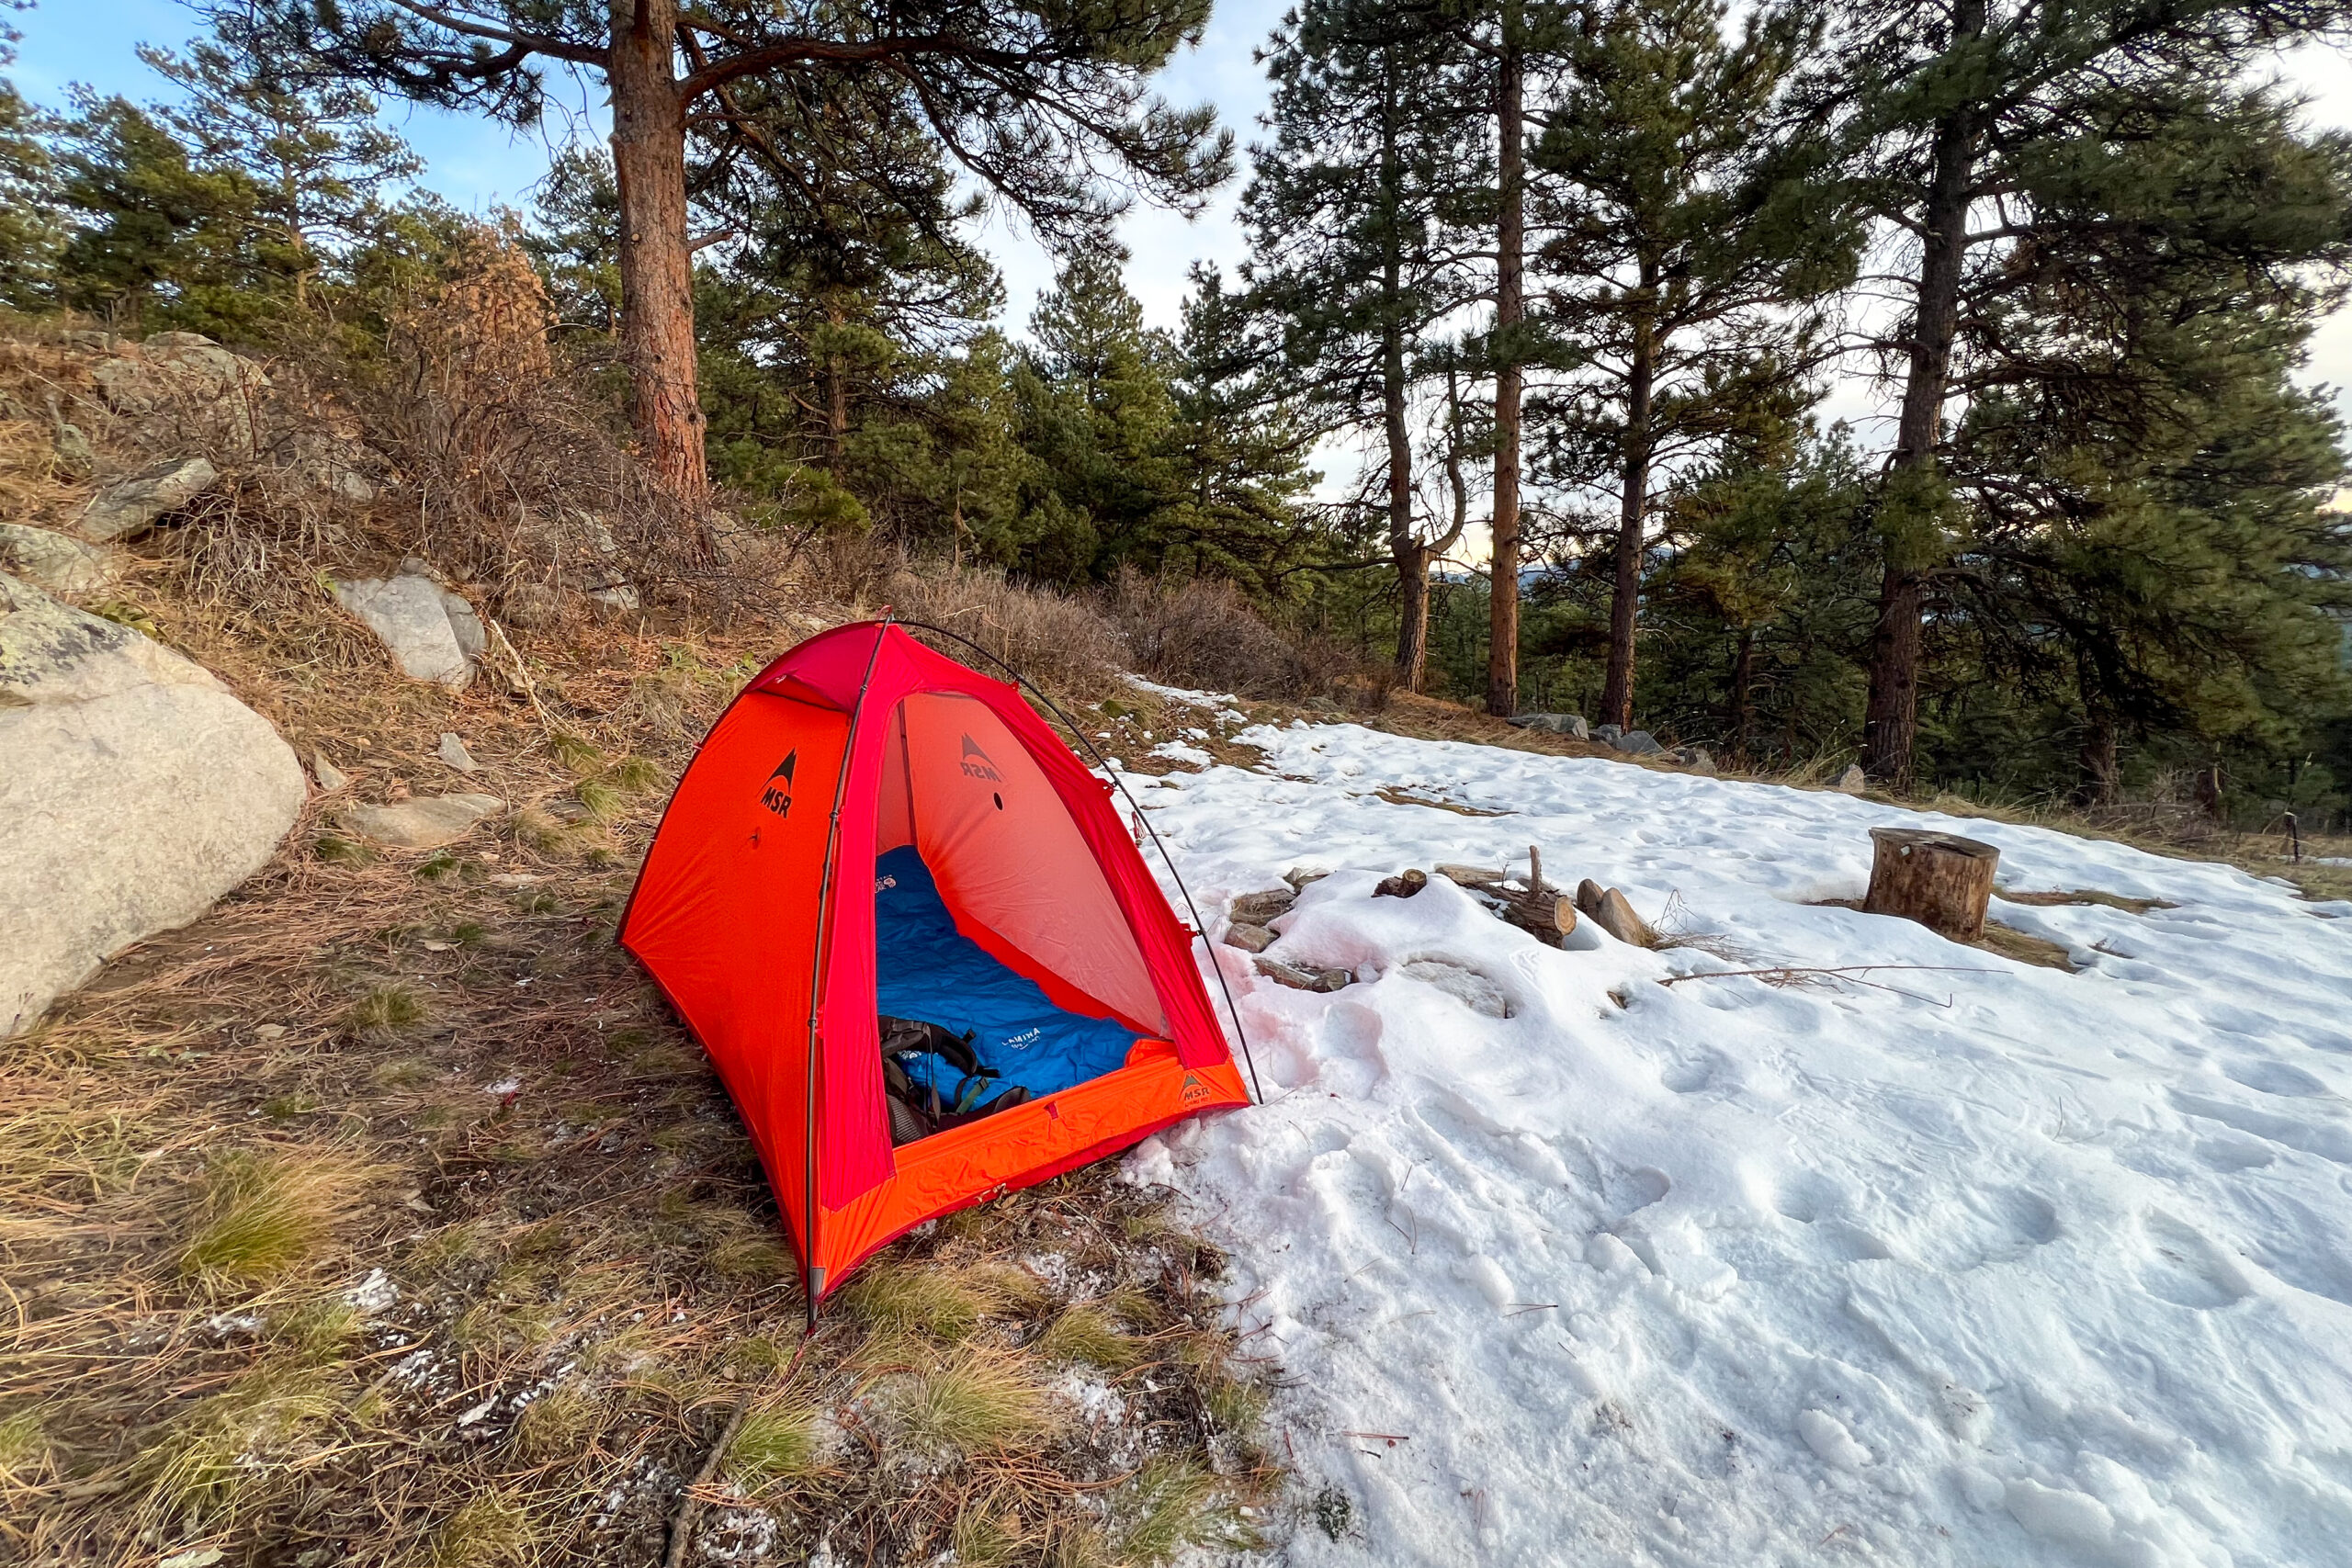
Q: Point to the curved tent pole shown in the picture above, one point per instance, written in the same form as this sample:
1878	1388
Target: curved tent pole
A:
1200	927
812	1278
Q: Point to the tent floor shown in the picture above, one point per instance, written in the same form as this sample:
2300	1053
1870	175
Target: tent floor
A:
926	969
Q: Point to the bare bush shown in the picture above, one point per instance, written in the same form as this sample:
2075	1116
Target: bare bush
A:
1203	632
1049	637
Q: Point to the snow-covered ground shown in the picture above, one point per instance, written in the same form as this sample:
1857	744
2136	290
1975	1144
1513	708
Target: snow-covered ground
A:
1981	1264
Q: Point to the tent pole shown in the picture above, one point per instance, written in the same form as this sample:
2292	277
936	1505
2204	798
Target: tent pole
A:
812	1277
1200	928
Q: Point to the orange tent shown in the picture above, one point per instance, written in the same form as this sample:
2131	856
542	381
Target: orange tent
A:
873	829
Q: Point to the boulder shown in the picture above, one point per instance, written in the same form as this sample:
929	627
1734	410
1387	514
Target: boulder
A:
55	562
1568	724
1299	979
1606	734
1637	743
618	600
130	506
1698	759
426	822
136	790
184	386
434	633
1257	909
1249	938
1852	781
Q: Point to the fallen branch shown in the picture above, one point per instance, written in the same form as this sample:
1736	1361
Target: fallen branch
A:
690	1507
1789	973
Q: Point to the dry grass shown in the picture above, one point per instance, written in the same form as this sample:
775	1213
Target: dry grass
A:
976	1400
257	1214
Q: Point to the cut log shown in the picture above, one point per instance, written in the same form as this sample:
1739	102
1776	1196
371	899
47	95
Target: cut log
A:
1940	880
1404	885
1478	876
1299	979
1588	896
1549	917
1614	913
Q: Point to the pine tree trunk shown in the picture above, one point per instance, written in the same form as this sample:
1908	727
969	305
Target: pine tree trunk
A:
1502	644
1890	718
836	397
1743	698
1411	556
1625	598
2102	769
656	257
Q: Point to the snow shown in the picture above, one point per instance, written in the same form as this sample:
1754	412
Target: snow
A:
1965	1263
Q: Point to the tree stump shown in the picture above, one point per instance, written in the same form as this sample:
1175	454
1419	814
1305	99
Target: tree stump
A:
1940	880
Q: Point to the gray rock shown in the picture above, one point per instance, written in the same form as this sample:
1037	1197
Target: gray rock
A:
465	624
618	600
1637	743
1852	781
1606	734
330	778
1469	987
412	614
453	751
130	507
1249	938
425	823
184	384
1568	724
58	563
1299	979
136	790
1257	909
1698	759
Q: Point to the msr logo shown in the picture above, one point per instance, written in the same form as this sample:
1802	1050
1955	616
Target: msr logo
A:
976	762
777	795
1194	1090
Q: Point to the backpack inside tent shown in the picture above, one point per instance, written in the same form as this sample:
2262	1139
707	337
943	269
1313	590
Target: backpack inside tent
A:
919	945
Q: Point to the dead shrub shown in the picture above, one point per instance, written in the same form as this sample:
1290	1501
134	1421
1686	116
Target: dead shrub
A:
1204	633
1054	639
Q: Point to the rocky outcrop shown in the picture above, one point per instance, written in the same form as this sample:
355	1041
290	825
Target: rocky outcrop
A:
182	389
128	507
1571	725
135	790
433	633
57	563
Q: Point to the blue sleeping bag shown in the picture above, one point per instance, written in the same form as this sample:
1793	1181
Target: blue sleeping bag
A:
924	968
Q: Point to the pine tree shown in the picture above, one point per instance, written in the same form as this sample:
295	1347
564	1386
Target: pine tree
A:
1032	101
1948	108
1683	261
147	229
1354	215
2145	483
31	235
1098	401
320	161
1236	442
